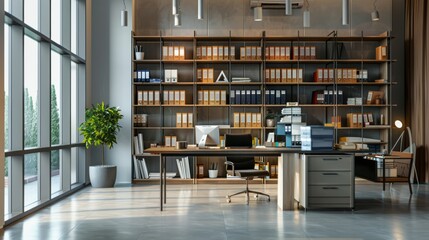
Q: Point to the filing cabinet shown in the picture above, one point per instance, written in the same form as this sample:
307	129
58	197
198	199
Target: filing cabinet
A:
325	181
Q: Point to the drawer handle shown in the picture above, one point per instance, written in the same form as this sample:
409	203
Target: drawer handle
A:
330	159
330	188
330	174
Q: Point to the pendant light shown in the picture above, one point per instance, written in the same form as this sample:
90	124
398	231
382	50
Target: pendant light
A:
200	9
345	12
124	16
175	7
178	20
375	16
288	7
257	14
306	14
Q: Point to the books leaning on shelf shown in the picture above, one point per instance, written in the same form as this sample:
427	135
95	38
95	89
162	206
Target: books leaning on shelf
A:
183	167
140	169
138	144
155	175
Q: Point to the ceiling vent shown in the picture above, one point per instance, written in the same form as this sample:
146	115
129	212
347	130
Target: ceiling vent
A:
275	4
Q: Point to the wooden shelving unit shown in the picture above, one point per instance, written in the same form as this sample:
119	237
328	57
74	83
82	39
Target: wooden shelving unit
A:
359	53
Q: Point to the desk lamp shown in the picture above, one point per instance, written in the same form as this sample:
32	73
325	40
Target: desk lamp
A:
411	148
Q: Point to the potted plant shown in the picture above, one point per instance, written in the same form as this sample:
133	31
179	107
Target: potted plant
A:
100	128
270	119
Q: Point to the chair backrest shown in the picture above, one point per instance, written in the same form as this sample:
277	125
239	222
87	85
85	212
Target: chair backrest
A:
240	141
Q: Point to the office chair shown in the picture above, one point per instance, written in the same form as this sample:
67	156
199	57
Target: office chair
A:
244	167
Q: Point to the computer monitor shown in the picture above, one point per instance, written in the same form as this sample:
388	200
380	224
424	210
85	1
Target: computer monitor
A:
207	135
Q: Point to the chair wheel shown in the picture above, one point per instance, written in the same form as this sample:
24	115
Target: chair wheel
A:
268	199
228	200
256	196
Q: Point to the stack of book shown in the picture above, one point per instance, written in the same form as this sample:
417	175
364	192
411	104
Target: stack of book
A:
184	169
140	168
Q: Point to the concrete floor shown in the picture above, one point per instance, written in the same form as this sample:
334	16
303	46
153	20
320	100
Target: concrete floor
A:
201	212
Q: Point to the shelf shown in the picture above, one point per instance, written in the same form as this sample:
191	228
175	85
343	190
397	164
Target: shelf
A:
212	105
177	83
246	105
147	128
178	105
147	155
147	61
299	61
244	128
177	128
367	105
218	180
211	61
137	105
169	181
246	61
221	180
246	83
213	83
147	83
260	38
375	127
186	61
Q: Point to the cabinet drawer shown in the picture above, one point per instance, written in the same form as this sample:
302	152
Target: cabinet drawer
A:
329	191
340	202
322	178
333	162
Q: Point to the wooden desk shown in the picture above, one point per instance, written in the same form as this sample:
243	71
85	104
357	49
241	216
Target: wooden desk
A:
286	166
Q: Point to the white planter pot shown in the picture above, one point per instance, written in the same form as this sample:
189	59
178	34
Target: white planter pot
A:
102	176
212	173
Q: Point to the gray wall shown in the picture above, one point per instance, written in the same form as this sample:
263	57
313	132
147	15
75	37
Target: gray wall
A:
111	77
111	43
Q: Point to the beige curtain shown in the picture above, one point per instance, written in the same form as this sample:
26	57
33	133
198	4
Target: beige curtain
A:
417	80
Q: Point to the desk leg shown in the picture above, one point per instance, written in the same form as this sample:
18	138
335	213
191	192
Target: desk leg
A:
384	174
161	185
286	181
165	179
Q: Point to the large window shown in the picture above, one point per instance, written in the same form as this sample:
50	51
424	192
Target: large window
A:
42	100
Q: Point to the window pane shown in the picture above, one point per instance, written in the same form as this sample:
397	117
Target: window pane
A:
74	26
74	102
6	114
55	172
55	98
31	179
6	184
31	13
74	165
6	85
7	5
31	79
74	122
56	20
